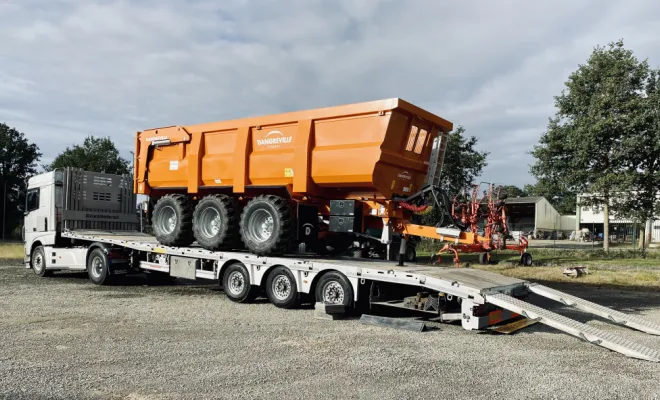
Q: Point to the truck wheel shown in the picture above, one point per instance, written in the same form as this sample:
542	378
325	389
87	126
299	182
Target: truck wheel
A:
526	259
236	284
281	288
334	288
215	223
267	225
97	267
411	253
38	262
172	220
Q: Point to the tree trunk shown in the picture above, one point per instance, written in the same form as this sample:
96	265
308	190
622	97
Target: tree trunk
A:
606	225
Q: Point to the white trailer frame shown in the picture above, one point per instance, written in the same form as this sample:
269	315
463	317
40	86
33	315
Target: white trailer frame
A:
71	236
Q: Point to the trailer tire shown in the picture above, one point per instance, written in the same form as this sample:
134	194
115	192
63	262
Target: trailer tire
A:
98	267
267	225
220	210
236	284
172	220
334	288
38	262
281	288
483	258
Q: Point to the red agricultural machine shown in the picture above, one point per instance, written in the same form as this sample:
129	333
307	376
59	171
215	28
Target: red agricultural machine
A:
482	224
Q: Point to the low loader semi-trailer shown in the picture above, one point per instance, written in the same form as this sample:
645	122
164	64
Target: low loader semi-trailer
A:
262	205
86	221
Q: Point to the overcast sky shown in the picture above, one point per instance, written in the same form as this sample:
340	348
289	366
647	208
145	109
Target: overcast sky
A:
110	68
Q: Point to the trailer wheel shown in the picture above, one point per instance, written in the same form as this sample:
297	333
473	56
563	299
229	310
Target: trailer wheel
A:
281	288
526	259
267	225
483	258
172	220
334	288
215	222
236	284
97	267
38	262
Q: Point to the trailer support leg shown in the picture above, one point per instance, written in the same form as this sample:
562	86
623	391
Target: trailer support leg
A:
402	250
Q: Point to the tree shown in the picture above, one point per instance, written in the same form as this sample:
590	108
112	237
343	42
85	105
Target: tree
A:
95	154
563	200
642	159
463	162
462	165
586	143
512	191
18	161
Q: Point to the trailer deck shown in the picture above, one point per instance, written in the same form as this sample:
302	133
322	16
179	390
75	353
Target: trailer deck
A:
473	288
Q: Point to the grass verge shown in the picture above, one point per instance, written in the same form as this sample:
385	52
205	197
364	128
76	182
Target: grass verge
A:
629	279
11	252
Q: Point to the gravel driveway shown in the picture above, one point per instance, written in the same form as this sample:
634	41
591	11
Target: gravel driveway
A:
63	337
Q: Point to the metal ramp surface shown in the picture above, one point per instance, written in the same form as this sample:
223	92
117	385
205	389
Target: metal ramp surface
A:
575	328
617	317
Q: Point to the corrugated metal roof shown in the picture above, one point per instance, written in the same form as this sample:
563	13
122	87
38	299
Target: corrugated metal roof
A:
523	200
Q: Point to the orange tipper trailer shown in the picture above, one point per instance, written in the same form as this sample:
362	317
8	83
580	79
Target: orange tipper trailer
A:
328	178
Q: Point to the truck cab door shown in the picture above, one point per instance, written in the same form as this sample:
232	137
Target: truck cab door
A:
37	224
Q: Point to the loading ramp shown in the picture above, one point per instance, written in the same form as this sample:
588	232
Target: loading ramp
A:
575	328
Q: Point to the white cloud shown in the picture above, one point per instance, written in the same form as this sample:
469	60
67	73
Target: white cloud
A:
71	68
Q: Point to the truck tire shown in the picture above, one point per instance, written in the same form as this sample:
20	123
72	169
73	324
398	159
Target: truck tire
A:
172	220
236	284
334	288
98	267
38	262
215	223
281	288
267	226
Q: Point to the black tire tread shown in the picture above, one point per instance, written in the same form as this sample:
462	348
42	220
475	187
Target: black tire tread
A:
229	207
285	239
185	236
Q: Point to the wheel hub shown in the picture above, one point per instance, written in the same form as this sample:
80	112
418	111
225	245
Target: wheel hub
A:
236	282
333	293
261	225
281	287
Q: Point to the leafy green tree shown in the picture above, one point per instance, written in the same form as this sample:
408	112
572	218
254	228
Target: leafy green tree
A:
585	147
463	162
642	157
95	154
18	161
561	199
512	191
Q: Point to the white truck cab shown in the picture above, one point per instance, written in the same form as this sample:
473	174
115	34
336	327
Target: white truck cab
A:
72	199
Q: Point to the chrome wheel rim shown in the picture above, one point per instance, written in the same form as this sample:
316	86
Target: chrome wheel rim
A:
333	293
209	221
167	221
38	262
97	266
281	287
261	225
235	283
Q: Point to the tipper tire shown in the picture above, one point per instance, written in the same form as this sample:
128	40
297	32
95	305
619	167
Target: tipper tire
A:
267	225
225	236
172	220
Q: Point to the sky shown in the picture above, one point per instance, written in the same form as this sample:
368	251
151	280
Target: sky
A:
72	68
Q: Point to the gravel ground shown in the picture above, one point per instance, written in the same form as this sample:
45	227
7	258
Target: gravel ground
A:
63	337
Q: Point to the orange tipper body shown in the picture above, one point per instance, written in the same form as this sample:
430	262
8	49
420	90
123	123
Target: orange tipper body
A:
373	150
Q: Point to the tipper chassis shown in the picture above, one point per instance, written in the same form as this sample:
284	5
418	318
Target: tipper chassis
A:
84	221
